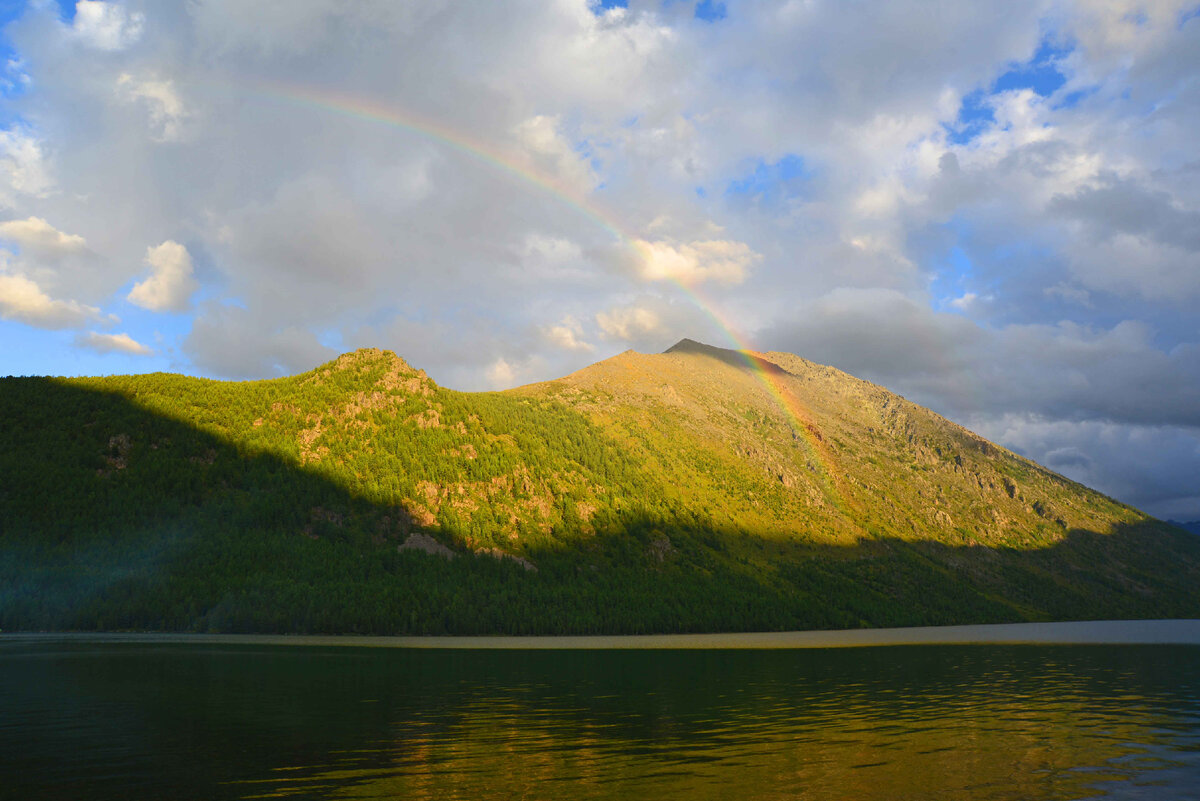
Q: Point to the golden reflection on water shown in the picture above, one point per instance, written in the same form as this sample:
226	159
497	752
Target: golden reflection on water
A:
218	721
1030	730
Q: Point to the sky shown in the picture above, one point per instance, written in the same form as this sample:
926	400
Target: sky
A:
990	208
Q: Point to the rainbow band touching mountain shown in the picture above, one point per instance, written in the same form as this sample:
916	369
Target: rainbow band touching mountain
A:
365	108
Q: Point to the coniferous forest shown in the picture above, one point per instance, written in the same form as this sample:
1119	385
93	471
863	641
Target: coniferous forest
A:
696	490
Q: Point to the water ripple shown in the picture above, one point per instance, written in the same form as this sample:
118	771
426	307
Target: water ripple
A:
930	722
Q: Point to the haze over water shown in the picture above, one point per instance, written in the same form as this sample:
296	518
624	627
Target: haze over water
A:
168	720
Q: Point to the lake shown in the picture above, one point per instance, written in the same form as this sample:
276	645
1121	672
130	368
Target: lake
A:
145	718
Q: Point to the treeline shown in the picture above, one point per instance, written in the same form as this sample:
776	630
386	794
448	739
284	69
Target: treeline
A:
162	502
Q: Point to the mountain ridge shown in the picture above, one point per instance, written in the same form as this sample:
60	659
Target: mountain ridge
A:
700	489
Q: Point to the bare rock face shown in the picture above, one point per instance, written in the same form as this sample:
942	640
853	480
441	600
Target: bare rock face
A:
426	544
117	455
496	553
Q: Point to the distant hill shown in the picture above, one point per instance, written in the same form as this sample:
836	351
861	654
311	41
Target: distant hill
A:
699	489
1193	526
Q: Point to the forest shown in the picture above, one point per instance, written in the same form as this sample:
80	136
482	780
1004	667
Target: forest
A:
363	498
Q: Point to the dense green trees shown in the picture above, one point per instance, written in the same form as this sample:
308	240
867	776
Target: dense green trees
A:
173	503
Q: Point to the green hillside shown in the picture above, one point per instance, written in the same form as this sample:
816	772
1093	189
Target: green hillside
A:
695	490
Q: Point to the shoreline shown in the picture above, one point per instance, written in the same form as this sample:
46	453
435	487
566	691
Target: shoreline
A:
1088	632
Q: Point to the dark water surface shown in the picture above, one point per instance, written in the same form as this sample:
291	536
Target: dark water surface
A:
130	720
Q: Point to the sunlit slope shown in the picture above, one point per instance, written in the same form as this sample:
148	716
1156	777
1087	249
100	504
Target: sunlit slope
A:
807	451
696	490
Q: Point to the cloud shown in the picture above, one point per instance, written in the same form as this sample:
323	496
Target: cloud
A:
552	250
966	301
1133	237
1153	467
106	26
720	261
218	339
328	247
267	28
23	168
61	264
548	259
567	335
1104	406
1120	206
22	300
876	332
554	153
934	173
162	102
501	374
112	343
1070	294
961	368
628	322
170	285
40	240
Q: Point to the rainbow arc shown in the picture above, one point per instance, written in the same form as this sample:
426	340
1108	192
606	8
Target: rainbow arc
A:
768	373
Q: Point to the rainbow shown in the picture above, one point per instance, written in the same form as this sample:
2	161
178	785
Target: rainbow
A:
364	108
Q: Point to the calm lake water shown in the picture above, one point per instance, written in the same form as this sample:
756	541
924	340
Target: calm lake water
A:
137	720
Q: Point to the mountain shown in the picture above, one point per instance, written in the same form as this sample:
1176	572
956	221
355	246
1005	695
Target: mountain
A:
700	489
1192	526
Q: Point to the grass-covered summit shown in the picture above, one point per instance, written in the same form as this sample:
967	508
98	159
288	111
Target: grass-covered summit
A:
680	491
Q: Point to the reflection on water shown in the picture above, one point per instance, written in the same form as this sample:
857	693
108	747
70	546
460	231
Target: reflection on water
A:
927	722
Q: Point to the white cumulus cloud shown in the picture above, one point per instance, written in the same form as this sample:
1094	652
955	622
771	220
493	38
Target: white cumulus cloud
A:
628	322
107	26
23	167
718	260
553	153
112	343
170	284
22	300
501	374
568	335
162	102
40	240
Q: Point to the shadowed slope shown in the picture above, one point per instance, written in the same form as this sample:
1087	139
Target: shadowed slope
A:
651	493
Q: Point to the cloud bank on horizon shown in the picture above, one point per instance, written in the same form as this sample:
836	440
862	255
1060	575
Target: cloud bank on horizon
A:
993	209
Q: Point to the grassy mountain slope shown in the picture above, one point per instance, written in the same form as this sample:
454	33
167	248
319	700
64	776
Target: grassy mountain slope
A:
696	490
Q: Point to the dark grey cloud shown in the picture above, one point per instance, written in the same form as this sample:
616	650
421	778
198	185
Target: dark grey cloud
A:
1117	206
1151	467
1104	407
1063	371
218	339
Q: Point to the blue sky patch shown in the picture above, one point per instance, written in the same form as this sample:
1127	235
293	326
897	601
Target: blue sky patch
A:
586	149
770	182
10	12
710	10
1040	73
7	53
1008	275
332	338
706	10
1072	99
14	82
952	278
974	115
66	9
